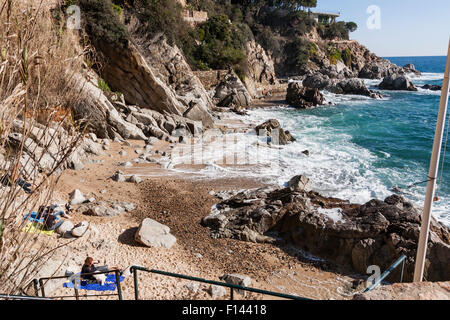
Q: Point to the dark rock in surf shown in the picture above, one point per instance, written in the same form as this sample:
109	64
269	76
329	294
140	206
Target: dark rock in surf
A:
273	130
303	97
397	82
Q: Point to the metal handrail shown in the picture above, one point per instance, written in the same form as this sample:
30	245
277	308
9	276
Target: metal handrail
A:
388	271
15	297
39	283
135	269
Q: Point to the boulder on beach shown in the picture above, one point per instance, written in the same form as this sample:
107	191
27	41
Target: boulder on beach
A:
154	234
80	229
273	130
76	197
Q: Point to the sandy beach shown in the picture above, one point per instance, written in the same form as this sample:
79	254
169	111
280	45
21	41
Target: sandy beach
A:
180	202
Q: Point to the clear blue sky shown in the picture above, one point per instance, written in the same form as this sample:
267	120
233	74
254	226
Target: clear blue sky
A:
408	27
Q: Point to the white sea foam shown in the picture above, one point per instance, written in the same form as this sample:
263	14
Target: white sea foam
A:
427	76
334	214
336	166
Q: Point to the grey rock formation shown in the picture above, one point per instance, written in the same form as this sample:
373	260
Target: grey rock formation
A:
397	82
300	183
66	226
216	291
339	86
260	75
145	72
231	92
80	229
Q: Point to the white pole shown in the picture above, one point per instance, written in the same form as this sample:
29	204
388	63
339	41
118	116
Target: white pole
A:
434	167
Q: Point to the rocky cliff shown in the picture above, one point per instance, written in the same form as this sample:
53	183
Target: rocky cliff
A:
260	78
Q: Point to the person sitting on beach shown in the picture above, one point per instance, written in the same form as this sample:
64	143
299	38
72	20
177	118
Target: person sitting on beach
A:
7	181
50	217
89	267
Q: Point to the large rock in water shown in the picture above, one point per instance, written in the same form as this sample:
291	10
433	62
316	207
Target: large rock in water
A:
397	82
273	130
340	86
303	97
376	233
153	234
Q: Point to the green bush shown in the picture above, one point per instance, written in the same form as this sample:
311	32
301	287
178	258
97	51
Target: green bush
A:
101	21
103	85
336	30
334	55
302	52
222	44
351	26
347	57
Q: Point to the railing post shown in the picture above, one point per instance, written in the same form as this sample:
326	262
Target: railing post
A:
231	293
136	284
76	293
36	287
386	273
41	284
403	269
119	288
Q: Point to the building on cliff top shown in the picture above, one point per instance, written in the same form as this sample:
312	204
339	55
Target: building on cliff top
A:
193	17
325	17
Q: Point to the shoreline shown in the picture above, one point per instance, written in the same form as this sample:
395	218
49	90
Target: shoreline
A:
180	202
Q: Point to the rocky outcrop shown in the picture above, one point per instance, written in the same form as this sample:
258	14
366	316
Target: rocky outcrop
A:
260	78
276	135
130	73
408	291
303	97
225	88
340	86
169	65
99	113
231	92
411	69
113	118
397	82
46	148
376	233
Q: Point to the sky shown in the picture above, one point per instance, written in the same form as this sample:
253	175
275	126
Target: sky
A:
406	27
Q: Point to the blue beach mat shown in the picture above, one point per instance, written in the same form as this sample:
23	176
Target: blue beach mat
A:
110	284
32	217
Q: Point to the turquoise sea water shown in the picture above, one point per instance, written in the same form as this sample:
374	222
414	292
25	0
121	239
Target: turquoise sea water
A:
361	148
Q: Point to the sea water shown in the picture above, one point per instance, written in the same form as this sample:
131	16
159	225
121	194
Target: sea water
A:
360	148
